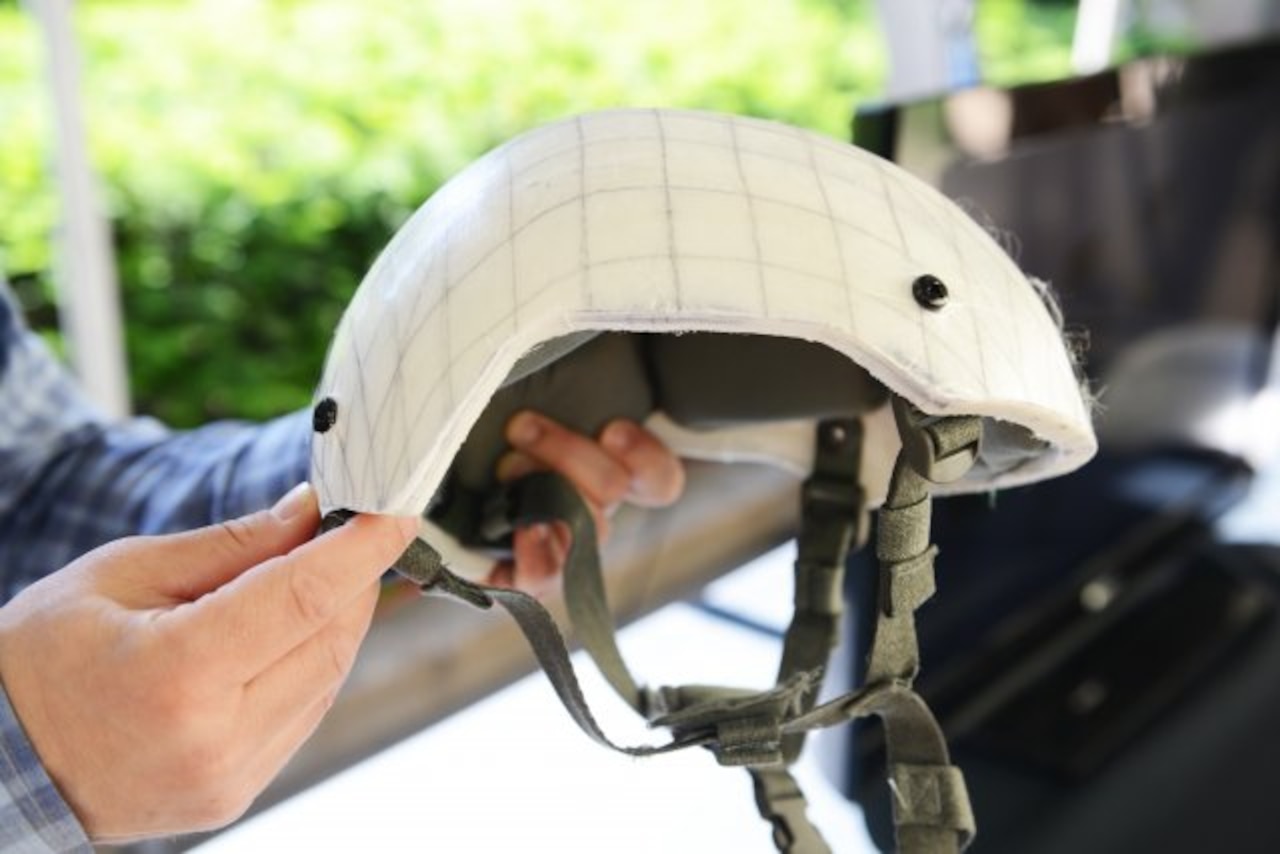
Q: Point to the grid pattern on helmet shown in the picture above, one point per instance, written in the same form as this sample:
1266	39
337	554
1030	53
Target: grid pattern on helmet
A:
669	219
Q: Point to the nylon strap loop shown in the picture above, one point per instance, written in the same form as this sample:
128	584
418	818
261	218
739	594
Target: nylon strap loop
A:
422	564
931	796
908	584
902	542
545	497
903	532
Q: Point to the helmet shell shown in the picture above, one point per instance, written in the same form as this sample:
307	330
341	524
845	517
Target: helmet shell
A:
672	221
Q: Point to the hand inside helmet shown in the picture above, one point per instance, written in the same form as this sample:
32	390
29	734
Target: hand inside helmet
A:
624	463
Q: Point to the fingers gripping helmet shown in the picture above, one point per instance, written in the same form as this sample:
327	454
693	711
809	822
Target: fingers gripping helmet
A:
740	283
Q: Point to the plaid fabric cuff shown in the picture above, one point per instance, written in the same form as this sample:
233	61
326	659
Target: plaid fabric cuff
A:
33	815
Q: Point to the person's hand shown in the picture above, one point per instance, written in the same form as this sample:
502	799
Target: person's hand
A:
625	462
164	681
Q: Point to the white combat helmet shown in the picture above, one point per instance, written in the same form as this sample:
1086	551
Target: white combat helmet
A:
659	223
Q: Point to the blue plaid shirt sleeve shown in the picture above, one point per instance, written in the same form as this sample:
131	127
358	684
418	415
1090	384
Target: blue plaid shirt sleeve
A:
33	815
71	481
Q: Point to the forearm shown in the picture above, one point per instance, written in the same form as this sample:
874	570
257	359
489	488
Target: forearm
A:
106	481
71	480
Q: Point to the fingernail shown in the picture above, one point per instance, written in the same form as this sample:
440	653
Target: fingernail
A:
524	430
540	532
618	436
301	499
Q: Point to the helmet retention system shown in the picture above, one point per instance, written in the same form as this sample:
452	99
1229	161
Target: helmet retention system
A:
763	731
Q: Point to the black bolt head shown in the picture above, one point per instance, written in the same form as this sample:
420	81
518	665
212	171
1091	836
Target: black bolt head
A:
929	291
835	435
325	415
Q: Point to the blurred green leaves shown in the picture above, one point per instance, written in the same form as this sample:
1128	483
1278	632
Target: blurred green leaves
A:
257	155
1022	42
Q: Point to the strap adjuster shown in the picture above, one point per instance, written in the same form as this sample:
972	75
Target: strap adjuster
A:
931	796
752	742
940	448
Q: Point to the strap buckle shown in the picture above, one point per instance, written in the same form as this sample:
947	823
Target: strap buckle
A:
833	494
741	727
782	804
940	448
422	565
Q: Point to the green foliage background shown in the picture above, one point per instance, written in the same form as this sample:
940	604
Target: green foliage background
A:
257	155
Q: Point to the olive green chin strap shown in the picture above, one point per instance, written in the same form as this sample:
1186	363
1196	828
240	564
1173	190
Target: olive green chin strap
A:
833	520
764	730
932	813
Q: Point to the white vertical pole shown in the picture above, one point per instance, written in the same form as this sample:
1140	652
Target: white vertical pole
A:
930	45
1097	25
88	290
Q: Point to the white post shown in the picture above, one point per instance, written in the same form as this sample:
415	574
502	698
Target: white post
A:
930	46
1097	25
88	290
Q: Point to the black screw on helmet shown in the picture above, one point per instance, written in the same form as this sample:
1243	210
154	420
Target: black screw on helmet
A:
833	434
325	415
930	292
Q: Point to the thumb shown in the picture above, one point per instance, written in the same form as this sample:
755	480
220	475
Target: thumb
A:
188	565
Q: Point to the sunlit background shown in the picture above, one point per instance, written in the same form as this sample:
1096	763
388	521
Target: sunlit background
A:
256	155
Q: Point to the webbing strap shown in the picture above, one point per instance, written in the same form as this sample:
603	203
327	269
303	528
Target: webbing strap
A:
833	512
906	575
931	809
545	497
742	727
422	564
763	729
832	521
932	814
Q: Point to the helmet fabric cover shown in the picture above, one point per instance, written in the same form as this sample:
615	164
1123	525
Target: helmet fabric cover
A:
678	221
